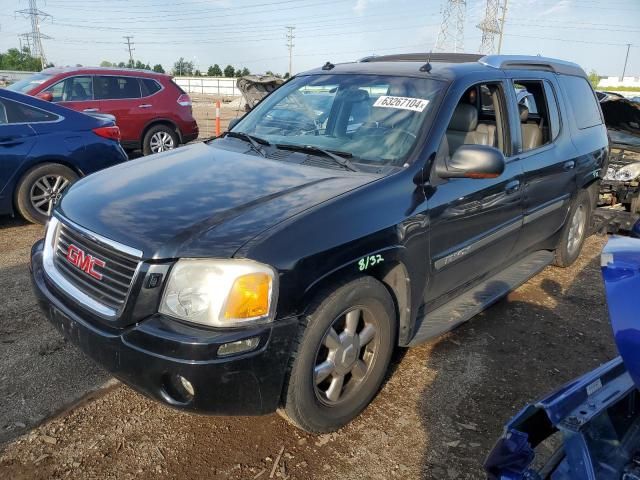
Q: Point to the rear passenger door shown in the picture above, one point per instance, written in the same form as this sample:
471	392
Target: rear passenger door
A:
120	96
547	156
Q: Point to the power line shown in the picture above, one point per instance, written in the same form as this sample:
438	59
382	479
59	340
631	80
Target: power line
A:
451	35
34	38
290	45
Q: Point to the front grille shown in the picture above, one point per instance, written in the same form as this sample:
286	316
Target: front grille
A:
117	273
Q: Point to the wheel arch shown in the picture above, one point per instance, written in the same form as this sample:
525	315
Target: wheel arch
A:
393	274
160	121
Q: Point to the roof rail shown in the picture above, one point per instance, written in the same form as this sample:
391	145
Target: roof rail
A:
423	57
527	62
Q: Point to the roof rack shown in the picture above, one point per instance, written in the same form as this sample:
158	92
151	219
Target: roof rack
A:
423	57
526	62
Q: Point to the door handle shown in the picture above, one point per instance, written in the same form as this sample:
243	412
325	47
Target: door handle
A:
145	105
90	110
569	165
512	187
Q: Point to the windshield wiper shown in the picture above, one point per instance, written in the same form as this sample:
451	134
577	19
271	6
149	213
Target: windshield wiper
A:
341	158
253	140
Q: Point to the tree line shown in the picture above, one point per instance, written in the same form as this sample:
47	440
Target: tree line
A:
16	59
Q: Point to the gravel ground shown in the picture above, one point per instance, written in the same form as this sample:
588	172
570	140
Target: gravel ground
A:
436	417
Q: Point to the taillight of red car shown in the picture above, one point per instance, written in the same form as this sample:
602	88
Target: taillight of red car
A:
184	100
112	133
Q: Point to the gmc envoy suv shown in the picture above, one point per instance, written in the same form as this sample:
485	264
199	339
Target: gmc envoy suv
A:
358	208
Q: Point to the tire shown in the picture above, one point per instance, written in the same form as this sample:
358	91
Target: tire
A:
40	189
159	138
574	231
324	405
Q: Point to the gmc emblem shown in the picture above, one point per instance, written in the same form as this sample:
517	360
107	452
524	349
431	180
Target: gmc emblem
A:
84	261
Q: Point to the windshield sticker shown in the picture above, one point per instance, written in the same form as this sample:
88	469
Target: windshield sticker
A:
402	103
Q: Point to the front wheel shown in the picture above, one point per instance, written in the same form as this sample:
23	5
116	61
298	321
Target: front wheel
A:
575	230
342	356
159	139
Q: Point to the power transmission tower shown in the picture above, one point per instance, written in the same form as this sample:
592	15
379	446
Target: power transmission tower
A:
131	49
504	17
451	36
290	45
490	27
35	36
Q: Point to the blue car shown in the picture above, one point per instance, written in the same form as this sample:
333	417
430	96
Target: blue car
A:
44	148
596	418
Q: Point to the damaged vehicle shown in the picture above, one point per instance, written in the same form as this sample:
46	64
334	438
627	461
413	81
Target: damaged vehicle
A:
255	87
589	429
621	183
359	208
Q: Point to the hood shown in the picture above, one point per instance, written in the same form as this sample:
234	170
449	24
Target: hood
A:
198	200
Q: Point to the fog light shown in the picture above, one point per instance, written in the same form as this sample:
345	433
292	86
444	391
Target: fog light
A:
238	347
177	389
186	384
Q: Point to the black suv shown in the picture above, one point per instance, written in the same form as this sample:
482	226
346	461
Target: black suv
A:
358	208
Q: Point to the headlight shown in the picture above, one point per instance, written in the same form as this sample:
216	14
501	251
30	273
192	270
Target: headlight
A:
628	172
220	293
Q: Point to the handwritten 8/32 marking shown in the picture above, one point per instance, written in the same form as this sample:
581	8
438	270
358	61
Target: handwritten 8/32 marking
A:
370	261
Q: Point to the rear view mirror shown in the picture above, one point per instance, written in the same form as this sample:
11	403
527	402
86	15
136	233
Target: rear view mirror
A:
473	161
46	96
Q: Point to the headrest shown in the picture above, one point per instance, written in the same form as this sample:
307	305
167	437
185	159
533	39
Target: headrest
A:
465	118
524	112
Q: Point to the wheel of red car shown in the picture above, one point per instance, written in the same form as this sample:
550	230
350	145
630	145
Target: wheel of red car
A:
341	356
159	139
40	189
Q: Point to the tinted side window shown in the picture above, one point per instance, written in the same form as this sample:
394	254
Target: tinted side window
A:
149	86
583	101
554	114
14	112
112	87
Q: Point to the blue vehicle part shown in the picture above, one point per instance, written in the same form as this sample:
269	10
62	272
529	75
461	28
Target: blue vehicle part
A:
68	138
635	231
596	416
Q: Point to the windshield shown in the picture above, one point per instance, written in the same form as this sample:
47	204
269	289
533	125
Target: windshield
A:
27	84
373	118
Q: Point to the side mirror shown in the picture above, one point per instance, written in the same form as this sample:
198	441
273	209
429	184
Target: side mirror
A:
46	96
233	123
473	161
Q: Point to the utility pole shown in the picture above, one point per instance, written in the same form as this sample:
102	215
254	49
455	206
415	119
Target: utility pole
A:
290	45
504	16
129	46
35	37
451	35
489	27
626	59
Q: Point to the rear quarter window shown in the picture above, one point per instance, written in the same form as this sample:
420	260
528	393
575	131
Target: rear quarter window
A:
149	86
582	101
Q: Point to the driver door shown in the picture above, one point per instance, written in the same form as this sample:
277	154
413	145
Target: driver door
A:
474	222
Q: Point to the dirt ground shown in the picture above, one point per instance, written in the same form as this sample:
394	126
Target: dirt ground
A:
204	111
437	416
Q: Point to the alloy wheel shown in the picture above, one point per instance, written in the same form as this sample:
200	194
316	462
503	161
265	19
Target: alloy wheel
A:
46	192
346	356
160	142
576	229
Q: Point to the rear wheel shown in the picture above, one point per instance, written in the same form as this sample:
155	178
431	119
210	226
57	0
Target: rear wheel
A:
159	138
342	356
40	189
575	230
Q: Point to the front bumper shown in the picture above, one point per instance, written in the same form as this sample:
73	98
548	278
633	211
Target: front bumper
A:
148	355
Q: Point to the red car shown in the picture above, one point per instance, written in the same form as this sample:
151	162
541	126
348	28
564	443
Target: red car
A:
153	113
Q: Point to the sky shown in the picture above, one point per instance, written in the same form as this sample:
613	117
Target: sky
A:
251	33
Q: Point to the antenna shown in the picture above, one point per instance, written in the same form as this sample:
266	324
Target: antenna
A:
35	37
451	36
